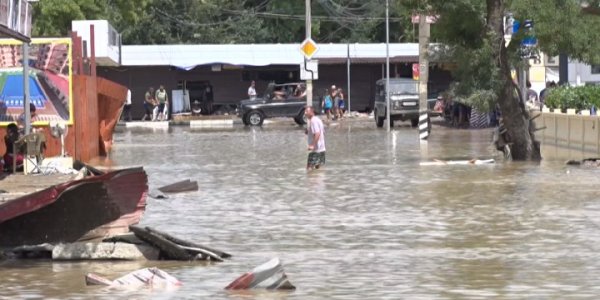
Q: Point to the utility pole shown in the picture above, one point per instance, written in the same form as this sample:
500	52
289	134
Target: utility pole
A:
348	75
309	86
424	34
387	65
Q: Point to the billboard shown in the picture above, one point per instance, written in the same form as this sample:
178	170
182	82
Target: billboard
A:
50	80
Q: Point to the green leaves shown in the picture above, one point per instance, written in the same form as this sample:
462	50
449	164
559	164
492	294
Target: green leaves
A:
582	97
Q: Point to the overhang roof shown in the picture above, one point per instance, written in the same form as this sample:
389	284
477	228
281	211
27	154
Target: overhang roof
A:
189	56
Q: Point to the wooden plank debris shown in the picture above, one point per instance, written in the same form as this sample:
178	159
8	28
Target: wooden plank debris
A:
180	186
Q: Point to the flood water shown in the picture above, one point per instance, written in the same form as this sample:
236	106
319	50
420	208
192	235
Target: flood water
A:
373	224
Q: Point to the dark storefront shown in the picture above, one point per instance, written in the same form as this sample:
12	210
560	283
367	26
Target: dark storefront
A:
227	85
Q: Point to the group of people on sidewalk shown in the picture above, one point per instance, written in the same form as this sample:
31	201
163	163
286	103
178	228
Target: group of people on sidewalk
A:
334	103
156	104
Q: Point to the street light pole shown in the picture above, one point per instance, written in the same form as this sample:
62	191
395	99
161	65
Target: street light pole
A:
309	86
387	64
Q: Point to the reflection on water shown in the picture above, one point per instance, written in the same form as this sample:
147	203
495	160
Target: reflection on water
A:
372	224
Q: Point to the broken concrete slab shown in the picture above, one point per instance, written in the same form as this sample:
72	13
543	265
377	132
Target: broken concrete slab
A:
104	251
31	251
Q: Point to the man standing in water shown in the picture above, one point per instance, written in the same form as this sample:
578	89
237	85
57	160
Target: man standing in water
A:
163	101
316	140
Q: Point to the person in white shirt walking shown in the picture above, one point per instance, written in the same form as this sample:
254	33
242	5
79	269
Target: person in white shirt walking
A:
252	90
127	107
316	140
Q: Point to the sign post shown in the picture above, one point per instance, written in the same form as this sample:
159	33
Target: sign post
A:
423	73
308	47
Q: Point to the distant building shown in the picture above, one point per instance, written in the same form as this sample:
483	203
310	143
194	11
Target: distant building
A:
222	73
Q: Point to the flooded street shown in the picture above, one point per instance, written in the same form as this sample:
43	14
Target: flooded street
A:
373	224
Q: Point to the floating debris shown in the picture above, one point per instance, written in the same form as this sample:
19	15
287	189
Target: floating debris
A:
269	275
181	186
152	277
437	162
157	195
172	248
587	162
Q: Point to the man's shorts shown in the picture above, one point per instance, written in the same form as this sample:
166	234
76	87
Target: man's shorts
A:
315	159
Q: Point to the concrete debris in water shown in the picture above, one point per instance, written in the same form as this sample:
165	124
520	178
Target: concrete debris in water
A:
587	162
269	275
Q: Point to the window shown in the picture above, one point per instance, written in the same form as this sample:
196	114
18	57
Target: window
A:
595	69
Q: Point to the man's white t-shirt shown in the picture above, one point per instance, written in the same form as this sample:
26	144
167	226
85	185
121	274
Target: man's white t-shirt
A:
315	125
251	92
128	99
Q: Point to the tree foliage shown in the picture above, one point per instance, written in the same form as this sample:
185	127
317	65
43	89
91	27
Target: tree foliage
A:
229	21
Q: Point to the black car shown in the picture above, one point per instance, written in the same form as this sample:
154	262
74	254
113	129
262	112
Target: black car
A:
278	100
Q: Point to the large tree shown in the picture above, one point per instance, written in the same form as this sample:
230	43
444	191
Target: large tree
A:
473	30
53	18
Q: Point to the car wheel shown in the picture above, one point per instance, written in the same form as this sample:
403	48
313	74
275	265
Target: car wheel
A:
300	119
255	118
378	120
414	122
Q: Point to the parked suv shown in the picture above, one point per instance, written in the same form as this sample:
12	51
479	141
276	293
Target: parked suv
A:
278	100
404	101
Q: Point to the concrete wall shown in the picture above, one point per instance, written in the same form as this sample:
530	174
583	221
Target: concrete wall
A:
569	136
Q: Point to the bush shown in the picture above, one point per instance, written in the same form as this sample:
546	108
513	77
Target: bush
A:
581	97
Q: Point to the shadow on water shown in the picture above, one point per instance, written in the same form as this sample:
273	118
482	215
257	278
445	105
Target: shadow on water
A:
372	224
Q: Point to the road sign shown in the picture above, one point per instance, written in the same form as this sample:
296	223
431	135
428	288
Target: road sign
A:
309	48
309	70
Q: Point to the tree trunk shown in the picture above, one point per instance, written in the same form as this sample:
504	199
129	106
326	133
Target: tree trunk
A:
519	128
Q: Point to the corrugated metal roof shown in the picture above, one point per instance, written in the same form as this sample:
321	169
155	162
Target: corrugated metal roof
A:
189	56
369	60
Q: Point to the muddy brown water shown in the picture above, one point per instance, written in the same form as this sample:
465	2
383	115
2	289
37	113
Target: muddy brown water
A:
373	224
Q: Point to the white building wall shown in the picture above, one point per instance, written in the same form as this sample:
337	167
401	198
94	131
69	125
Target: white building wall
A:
581	73
107	52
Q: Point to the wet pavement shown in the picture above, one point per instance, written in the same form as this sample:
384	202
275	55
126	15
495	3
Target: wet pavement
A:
373	224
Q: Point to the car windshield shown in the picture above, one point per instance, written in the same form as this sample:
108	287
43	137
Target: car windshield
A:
404	88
